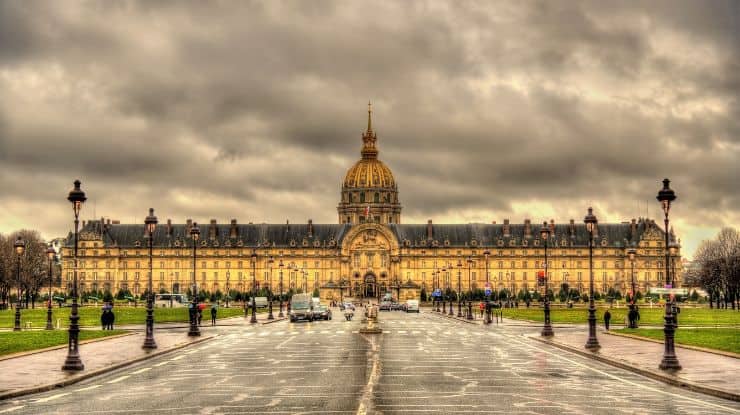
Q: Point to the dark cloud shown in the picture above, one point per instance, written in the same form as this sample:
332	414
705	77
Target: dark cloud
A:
254	110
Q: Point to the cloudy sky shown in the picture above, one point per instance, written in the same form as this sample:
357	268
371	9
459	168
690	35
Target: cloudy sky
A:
484	110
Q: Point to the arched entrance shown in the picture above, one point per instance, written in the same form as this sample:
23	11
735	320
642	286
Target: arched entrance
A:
370	286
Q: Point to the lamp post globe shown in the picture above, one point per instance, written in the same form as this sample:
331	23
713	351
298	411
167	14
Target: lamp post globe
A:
72	362
50	255
193	330
592	343
547	327
631	254
669	362
20	248
150	222
253	258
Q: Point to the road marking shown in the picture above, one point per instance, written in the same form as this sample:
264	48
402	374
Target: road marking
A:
264	334
162	363
52	397
15	408
141	371
88	388
119	379
401	331
340	331
636	385
279	333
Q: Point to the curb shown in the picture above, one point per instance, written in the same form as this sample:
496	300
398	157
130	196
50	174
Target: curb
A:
671	380
464	320
61	346
683	346
43	388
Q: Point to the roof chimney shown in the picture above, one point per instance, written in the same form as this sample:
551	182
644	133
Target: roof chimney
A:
212	232
633	230
527	228
233	230
430	230
507	229
572	228
310	228
169	227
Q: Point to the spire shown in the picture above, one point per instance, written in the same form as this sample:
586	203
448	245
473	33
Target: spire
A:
369	151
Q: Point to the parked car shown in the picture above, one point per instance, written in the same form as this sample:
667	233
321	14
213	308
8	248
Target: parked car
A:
396	306
412	306
346	306
321	312
384	306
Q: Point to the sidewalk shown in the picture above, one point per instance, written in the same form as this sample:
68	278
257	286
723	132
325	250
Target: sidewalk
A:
703	372
41	371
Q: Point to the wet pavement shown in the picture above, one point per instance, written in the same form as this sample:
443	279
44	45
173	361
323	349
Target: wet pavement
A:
422	363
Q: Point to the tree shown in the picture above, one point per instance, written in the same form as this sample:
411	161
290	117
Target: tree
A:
719	268
33	266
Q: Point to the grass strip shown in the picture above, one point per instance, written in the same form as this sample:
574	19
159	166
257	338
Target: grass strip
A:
650	316
23	341
90	316
724	339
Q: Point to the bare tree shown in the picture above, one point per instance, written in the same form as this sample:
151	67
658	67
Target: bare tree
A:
33	270
719	272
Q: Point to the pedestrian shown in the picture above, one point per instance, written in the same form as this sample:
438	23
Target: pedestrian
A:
607	318
111	319
482	307
104	318
213	315
632	316
200	315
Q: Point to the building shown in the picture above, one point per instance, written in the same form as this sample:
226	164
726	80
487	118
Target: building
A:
368	252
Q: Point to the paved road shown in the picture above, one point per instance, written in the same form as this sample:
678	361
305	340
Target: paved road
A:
421	364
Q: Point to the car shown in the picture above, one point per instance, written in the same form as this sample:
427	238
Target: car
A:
321	312
347	306
385	306
396	306
412	306
301	308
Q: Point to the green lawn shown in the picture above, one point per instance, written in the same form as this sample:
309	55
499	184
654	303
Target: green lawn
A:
650	316
718	338
14	342
90	316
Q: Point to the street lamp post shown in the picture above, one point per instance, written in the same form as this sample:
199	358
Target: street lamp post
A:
487	254
194	330
470	290
631	253
270	263
73	362
547	328
281	265
50	254
20	248
449	286
592	343
151	223
459	287
253	320
670	361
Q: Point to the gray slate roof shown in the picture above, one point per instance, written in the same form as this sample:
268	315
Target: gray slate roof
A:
330	235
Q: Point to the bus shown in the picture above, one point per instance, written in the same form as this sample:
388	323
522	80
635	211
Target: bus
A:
170	300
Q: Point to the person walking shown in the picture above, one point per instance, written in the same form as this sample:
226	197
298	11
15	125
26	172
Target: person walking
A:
214	311
104	318
482	307
200	315
607	319
111	319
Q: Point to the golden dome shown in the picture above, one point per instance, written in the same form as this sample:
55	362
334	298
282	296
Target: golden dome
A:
369	172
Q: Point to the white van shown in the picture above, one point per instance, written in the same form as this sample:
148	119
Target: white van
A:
412	306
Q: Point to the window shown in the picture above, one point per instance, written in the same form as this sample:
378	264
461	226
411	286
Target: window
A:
376	198
161	276
362	197
500	264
